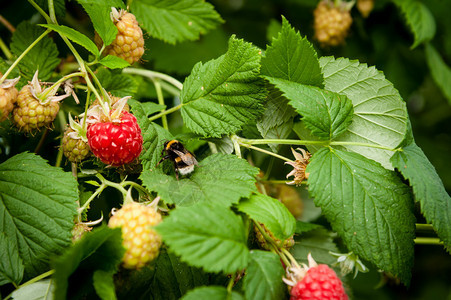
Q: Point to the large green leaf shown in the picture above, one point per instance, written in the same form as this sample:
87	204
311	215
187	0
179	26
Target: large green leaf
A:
326	114
104	284
292	58
367	205
319	243
75	36
37	207
100	249
175	20
222	95
271	212
220	178
439	70
43	56
427	188
380	115
419	18
99	13
118	84
11	266
208	236
263	279
212	293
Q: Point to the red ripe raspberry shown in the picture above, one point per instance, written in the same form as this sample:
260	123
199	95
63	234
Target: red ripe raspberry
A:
314	282
116	142
319	283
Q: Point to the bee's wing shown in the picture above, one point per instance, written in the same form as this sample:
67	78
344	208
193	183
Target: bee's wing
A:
187	159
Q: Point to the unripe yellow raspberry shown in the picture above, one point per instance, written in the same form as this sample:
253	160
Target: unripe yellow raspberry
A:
331	23
141	241
30	114
75	149
129	42
7	99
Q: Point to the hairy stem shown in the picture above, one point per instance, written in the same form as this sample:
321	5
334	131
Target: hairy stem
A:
165	112
157	85
5	49
152	74
427	241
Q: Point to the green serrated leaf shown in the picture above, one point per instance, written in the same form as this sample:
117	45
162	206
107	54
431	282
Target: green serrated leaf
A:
74	36
439	70
380	115
222	95
104	284
154	137
302	227
271	212
420	20
114	62
175	20
427	188
292	58
319	243
233	176
37	207
118	84
142	110
173	278
43	56
264	275
100	249
42	289
212	293
208	236
277	119
368	206
11	266
99	13
326	114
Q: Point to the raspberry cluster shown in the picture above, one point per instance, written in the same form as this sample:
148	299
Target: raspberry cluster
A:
142	243
331	23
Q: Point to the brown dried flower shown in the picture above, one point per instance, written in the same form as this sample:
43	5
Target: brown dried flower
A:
299	165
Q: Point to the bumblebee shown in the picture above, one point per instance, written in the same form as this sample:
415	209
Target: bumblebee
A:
183	160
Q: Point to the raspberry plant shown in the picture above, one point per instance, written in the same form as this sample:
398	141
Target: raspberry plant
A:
303	150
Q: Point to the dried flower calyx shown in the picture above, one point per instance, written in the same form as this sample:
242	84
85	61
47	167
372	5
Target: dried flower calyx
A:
299	165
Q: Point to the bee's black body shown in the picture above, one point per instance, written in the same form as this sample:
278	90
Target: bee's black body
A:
183	160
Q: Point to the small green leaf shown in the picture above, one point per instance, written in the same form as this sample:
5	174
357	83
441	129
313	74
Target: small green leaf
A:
173	278
212	293
118	84
37	207
326	114
427	188
292	58
42	289
175	20
154	137
302	227
380	114
99	13
209	236
439	70
230	175
104	284
114	62
420	20
142	110
100	249
74	36
318	242
11	266
368	206
264	275
222	95
43	56
271	212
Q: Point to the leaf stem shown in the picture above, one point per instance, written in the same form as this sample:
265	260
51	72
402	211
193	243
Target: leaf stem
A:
33	280
86	204
23	55
165	112
41	141
152	74
52	11
5	49
427	227
266	152
41	11
157	85
338	143
61	80
7	24
427	241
